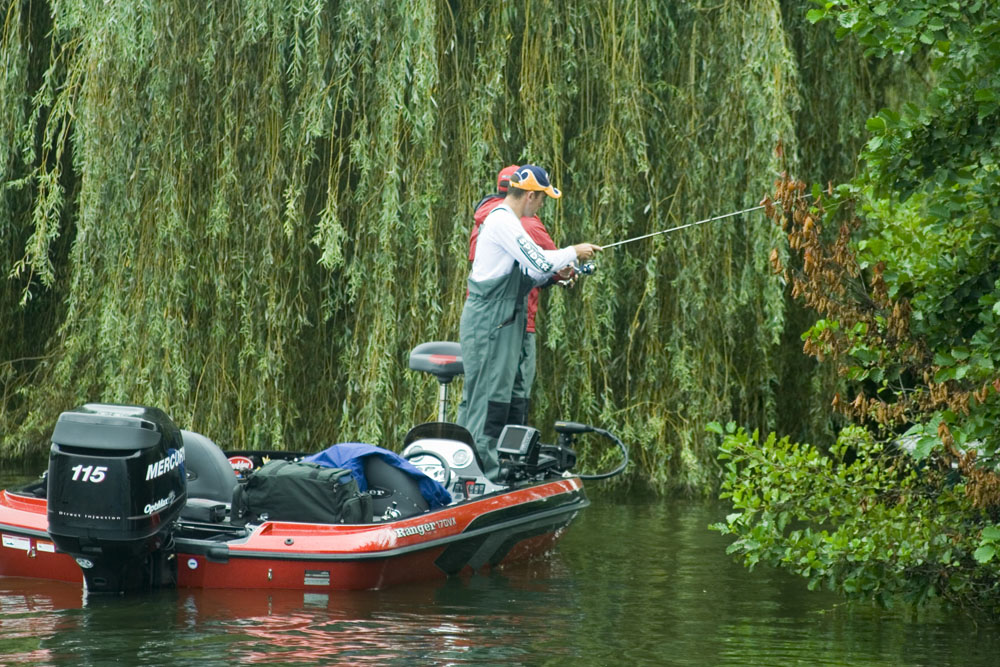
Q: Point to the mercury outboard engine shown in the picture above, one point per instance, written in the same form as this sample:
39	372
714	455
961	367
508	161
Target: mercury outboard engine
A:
116	484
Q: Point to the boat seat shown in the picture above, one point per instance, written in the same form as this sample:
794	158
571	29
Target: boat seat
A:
442	359
209	474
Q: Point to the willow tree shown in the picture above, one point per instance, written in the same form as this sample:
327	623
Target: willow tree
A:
248	212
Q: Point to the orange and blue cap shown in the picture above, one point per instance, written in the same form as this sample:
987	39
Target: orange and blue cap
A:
534	178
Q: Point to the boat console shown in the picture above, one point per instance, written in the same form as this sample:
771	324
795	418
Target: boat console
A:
446	451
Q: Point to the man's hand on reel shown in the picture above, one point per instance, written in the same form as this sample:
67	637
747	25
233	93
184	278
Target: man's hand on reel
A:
567	277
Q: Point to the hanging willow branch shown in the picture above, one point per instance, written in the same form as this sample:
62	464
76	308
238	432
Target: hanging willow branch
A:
247	213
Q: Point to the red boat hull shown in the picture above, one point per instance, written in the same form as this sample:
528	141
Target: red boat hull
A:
517	524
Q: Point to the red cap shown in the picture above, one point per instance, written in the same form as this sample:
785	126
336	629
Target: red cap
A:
503	178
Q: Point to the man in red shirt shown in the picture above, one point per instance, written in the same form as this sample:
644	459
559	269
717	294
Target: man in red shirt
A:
520	399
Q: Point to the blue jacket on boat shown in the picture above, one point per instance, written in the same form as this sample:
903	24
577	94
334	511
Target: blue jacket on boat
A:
349	455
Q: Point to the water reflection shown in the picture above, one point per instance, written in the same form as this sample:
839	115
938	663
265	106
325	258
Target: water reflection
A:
632	582
29	613
466	620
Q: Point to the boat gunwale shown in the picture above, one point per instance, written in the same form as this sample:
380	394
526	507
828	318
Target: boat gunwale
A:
217	550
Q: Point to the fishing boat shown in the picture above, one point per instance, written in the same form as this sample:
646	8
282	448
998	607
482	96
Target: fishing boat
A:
132	503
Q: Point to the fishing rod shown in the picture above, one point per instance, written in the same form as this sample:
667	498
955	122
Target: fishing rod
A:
588	268
680	227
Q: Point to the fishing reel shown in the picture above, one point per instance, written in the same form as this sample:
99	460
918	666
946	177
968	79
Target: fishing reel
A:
584	269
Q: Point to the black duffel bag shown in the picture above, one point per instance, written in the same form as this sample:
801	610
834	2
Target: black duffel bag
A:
299	491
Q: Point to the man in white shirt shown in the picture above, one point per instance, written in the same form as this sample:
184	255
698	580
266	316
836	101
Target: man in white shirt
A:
507	265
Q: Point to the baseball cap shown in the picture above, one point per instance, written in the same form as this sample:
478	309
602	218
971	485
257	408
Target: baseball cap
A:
503	178
533	177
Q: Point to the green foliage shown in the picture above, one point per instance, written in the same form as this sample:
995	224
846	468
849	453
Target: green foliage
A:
989	544
943	143
912	329
931	191
860	519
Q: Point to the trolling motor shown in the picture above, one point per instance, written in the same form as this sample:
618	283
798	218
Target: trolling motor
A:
567	434
522	455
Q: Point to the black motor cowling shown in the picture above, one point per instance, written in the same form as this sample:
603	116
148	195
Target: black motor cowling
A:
116	484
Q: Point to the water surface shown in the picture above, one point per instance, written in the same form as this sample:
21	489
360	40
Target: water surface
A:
634	581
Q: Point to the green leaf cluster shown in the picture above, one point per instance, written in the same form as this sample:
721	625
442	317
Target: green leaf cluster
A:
930	193
859	518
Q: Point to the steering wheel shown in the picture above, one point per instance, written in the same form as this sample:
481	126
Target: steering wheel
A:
431	464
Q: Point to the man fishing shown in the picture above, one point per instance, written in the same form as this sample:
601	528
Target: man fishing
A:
520	400
507	265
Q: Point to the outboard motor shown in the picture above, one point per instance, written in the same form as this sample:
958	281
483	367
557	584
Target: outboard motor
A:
116	484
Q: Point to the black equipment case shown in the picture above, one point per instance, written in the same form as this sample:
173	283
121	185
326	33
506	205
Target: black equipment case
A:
300	491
